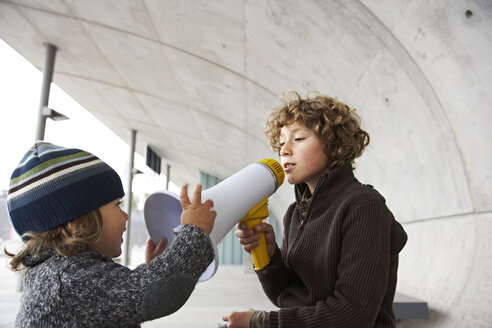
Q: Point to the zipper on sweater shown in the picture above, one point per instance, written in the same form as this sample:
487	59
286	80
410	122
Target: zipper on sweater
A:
305	216
300	228
303	219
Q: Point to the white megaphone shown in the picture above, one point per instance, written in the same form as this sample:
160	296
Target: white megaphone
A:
241	197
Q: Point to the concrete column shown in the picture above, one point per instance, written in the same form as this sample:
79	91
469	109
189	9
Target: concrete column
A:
49	64
168	175
128	207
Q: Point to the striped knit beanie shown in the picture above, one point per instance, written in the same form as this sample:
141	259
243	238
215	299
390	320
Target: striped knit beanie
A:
53	185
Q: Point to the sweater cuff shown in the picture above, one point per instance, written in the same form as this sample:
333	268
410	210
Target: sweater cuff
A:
259	319
273	320
190	252
276	255
273	259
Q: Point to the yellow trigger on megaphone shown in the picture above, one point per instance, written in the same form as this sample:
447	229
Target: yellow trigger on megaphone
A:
233	198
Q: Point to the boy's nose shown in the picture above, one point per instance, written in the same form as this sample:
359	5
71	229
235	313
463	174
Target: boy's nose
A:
285	150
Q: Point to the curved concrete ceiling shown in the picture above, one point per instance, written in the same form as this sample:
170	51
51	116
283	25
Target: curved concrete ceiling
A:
197	79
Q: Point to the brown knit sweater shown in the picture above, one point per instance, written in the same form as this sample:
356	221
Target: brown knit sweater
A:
338	268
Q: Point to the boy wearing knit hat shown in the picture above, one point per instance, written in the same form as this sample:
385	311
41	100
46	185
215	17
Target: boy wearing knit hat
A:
64	203
337	265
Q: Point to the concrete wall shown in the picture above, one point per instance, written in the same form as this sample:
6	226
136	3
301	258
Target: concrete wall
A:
431	151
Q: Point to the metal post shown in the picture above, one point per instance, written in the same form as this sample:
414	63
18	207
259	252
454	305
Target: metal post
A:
128	207
168	175
49	64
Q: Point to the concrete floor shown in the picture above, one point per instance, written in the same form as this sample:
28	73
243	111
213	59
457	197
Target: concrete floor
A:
231	289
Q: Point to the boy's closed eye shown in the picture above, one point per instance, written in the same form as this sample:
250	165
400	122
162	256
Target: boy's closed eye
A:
298	139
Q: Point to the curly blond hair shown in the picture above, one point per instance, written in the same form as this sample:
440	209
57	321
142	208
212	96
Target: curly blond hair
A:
68	239
335	124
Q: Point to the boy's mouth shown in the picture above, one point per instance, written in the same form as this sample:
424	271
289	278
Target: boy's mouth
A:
288	167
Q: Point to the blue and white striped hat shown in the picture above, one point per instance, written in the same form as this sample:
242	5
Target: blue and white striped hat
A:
53	185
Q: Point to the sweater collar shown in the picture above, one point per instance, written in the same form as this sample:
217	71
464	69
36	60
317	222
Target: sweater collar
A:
329	184
31	260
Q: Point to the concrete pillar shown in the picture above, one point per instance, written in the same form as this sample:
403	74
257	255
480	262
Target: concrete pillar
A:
128	207
168	175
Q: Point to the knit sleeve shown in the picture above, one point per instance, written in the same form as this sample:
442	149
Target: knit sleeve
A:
118	296
169	289
362	274
171	278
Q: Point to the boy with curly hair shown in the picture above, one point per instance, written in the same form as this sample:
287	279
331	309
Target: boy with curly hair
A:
337	265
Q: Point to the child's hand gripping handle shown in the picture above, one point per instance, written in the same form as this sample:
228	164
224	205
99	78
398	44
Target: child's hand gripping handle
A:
255	216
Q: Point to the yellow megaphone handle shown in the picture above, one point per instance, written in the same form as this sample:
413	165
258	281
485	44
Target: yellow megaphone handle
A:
254	217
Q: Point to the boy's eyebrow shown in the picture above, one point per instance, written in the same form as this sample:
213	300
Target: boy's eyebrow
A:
297	129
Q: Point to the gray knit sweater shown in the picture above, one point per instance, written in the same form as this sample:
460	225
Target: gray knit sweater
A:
91	290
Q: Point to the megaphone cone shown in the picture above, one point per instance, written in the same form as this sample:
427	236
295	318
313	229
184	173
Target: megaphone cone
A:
233	198
162	213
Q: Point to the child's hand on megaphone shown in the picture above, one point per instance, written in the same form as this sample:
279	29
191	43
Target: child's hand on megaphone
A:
249	238
152	250
197	213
